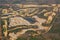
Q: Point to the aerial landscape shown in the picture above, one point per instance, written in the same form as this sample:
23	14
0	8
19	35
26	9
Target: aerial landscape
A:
29	20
